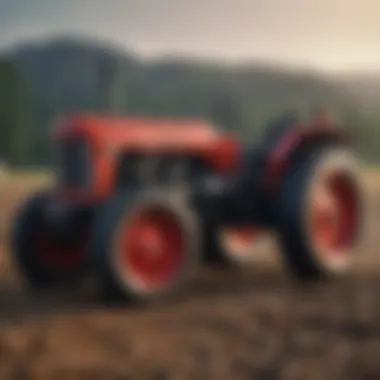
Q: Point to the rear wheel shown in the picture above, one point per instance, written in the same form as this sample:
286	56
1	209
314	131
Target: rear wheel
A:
40	257
320	213
145	248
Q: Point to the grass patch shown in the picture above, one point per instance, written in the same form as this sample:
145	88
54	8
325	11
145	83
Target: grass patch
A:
27	177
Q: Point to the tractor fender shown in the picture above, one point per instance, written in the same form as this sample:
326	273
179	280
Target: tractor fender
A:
279	157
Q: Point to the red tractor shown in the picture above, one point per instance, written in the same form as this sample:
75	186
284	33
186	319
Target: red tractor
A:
140	203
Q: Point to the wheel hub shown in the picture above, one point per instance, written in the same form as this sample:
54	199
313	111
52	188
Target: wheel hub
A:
335	215
62	235
327	215
150	243
151	248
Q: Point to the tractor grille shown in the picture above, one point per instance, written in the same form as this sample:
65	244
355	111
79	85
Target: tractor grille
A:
73	163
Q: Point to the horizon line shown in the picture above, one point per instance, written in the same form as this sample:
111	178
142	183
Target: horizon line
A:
175	56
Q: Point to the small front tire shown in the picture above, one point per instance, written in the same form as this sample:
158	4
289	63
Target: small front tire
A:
42	260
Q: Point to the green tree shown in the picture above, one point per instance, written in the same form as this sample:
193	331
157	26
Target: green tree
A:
15	115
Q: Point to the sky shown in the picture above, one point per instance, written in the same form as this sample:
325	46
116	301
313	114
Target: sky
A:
333	35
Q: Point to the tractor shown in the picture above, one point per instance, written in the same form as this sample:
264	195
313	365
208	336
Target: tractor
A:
139	203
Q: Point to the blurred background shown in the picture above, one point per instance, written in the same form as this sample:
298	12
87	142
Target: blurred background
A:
237	63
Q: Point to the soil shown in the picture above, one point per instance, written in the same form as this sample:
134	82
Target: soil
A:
256	323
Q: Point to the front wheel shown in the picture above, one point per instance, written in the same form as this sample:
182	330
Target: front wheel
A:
41	259
145	247
319	213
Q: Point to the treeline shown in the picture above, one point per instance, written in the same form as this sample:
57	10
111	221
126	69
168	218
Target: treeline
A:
38	83
15	114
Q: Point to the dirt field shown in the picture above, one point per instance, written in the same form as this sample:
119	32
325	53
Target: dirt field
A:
254	324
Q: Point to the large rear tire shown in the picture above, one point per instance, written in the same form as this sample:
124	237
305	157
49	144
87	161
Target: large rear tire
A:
145	247
319	213
40	259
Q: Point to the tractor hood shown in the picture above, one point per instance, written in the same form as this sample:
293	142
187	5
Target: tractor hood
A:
155	135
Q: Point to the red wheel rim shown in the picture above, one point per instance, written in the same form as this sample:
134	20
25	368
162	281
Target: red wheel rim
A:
335	214
151	248
57	256
240	239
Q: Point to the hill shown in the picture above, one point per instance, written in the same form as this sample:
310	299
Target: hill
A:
73	75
